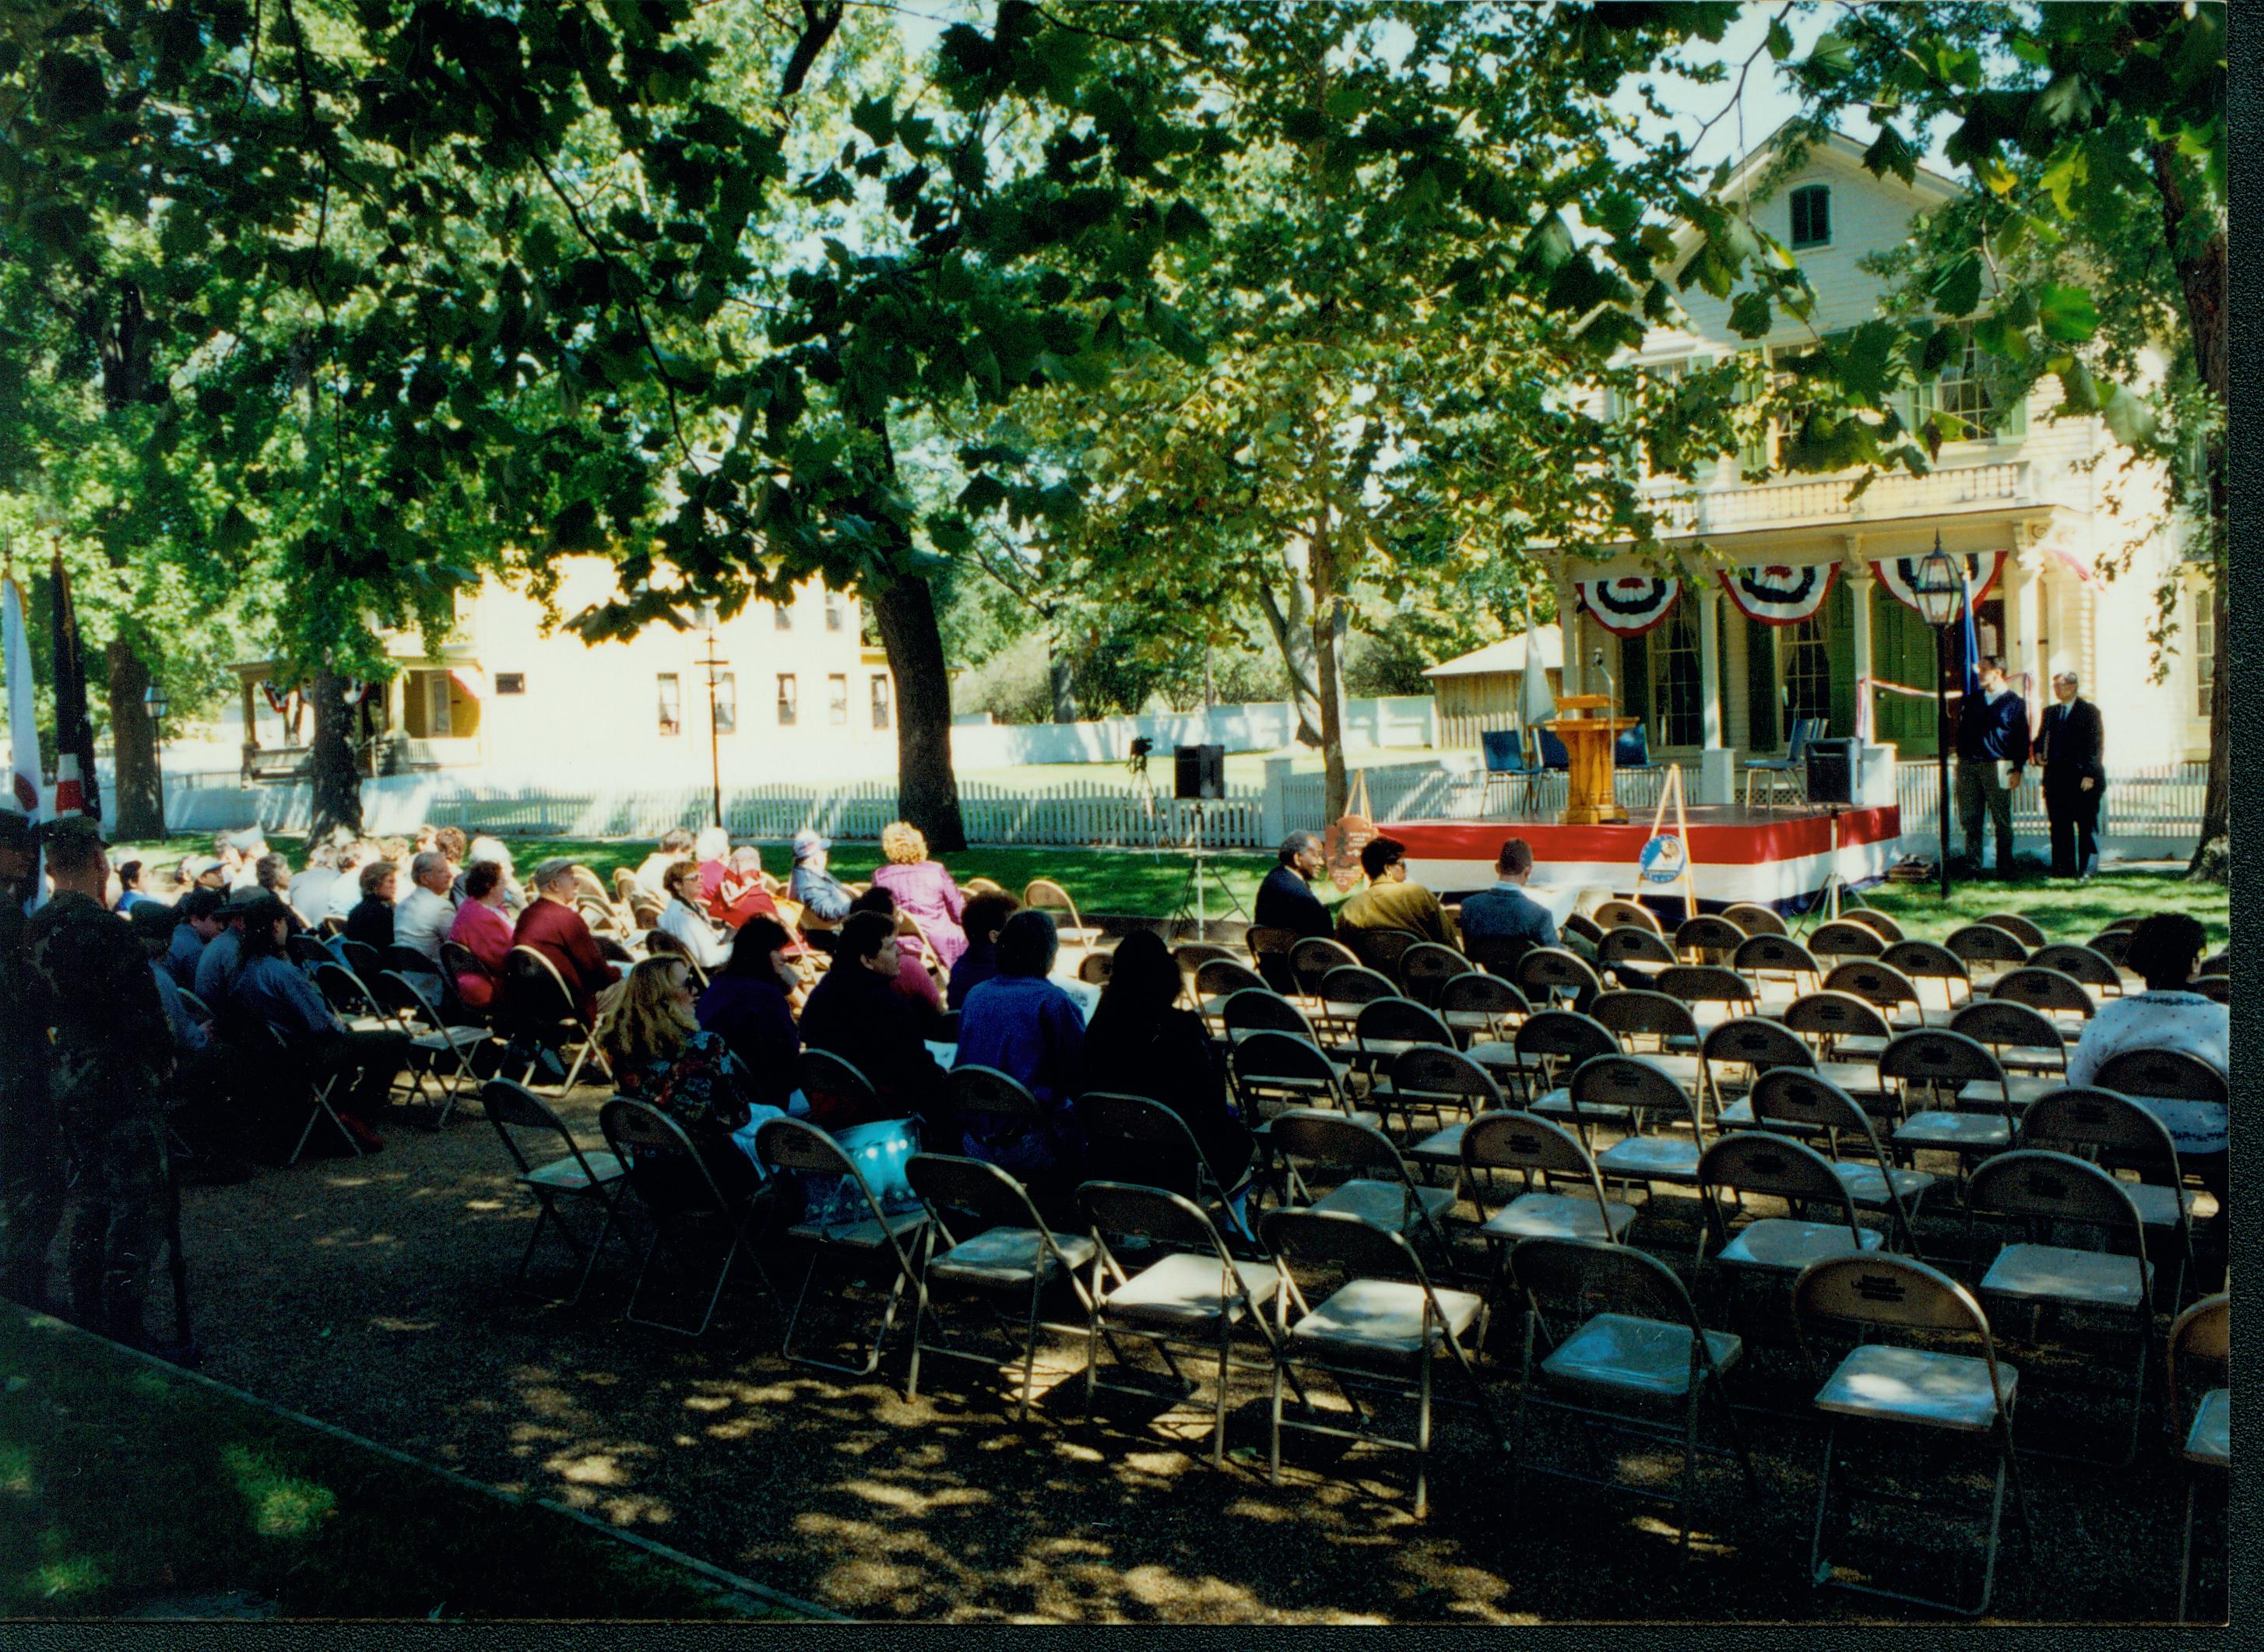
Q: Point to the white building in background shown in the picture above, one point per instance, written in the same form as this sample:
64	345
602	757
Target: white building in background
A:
1714	683
509	699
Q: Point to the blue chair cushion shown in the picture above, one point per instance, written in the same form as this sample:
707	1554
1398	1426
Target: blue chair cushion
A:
1632	750
1553	754
1504	751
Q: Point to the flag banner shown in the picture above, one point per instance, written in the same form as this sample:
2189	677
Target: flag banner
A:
74	781
1899	574
1629	606
25	778
1773	594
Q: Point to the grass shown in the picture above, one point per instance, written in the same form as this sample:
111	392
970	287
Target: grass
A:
1147	883
122	1484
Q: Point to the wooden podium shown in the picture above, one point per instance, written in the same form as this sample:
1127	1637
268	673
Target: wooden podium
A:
1589	734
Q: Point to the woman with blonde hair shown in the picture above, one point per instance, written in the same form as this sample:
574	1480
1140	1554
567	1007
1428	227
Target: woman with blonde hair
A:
924	888
651	1036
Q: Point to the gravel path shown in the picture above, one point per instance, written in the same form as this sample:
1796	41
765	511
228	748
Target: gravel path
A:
375	1293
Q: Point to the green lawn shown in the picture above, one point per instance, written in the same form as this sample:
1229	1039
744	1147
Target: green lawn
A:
1148	883
123	1484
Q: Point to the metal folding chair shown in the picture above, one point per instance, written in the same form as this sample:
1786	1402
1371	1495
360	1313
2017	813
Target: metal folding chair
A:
1008	1250
577	1175
678	1191
434	1045
1388	1319
2202	1335
2112	1131
1894	1389
1393	1199
790	1145
1135	1132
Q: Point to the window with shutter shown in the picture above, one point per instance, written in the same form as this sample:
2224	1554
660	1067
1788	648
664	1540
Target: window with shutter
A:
1811	216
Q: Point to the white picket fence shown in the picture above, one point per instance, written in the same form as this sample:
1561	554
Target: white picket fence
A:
2149	810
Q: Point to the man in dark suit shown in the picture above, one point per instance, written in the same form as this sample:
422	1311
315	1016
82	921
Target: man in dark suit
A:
1284	899
2071	739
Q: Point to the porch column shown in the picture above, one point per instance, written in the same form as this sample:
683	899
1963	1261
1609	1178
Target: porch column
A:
1716	764
1859	596
1568	627
2023	569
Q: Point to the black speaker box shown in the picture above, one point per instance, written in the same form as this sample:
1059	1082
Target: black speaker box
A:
1198	772
1834	768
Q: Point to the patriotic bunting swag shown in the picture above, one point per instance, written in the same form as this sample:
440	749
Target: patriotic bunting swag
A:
1775	595
1630	606
1899	574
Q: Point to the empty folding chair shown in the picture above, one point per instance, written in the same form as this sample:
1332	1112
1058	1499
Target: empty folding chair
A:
1923	961
1714	992
1622	1350
1626	944
434	1045
1427	966
1884	988
1547	1046
363	959
1385	1027
1191	956
1438	1082
2203	1336
867	1236
307	950
2018	927
1387	1323
1552	976
2046	990
1345	991
541	1010
1144	1141
1985	948
2116	1132
2112	945
1219	979
1791	1101
1931	1073
2020	1037
983	1237
1189	1291
1048	897
1772	1166
689	1213
2065	1197
1093	968
1889	1390
1878	922
1255	1009
838	1094
1582	926
1533	1147
1379	1188
1614	913
2216	989
1381	949
1841	939
1272	1070
2081	964
350	998
1269	947
1482	1008
1708	939
1756	919
1769	960
1791	768
1636	1088
576	1176
1749	1047
1311	959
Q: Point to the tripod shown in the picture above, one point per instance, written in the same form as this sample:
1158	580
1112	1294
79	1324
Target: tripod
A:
1192	892
1834	890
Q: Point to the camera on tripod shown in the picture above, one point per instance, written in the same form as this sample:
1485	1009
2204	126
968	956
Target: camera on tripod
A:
1135	760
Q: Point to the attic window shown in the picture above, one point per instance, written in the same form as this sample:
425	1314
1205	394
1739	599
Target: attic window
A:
1811	216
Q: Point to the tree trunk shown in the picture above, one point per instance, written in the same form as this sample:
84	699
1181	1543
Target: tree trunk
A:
1293	632
1327	631
927	790
1058	679
137	798
331	762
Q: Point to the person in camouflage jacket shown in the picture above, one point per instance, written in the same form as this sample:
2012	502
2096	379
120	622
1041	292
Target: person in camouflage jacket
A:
112	1054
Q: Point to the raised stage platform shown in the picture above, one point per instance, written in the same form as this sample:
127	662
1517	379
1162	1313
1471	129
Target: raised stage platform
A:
1777	857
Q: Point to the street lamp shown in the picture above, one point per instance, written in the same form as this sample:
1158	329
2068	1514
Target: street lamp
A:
714	662
154	703
1941	596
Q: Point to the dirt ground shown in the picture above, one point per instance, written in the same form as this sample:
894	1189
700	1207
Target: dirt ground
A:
376	1293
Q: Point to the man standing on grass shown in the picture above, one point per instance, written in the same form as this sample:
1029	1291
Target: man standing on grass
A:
2070	739
1992	749
114	1052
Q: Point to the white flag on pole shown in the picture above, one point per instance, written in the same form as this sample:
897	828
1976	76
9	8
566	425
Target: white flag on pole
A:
1536	705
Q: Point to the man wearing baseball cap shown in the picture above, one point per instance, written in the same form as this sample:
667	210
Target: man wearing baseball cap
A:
222	958
825	902
31	1147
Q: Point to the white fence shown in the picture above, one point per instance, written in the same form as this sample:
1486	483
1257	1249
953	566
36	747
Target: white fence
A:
2148	812
1394	722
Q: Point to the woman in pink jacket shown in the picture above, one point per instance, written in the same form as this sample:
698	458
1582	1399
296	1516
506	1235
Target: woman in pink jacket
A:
482	929
924	888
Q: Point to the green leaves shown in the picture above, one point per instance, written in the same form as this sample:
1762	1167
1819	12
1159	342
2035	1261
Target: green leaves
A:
875	117
2066	314
2132	422
70	88
1750	317
1957	287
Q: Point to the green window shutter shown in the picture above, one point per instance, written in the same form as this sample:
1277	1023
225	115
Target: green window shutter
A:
1839	629
1635	680
1762	686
